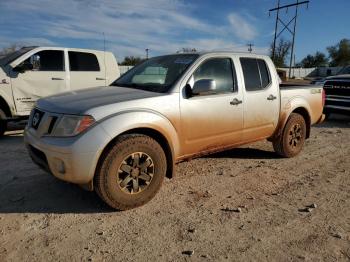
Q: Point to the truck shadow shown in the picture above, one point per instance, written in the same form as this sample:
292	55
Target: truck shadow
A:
245	153
24	188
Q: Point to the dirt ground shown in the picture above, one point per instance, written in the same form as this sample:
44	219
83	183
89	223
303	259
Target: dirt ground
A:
195	216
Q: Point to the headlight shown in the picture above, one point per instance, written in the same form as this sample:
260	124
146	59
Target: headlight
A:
72	125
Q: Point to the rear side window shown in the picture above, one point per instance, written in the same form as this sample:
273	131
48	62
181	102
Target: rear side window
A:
256	74
264	73
80	61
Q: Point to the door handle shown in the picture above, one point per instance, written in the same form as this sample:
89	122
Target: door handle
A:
56	78
271	97
100	78
235	102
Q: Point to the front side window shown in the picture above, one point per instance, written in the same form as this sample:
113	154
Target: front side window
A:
256	73
218	69
80	61
48	60
157	74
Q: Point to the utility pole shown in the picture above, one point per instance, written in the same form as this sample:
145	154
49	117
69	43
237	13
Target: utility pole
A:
276	26
286	26
146	52
250	47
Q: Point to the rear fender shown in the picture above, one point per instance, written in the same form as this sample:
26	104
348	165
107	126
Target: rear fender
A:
294	105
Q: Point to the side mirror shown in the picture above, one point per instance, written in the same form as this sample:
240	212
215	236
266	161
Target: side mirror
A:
204	86
23	67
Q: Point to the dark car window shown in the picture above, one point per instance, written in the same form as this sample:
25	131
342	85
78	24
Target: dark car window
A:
218	69
81	61
264	72
251	74
47	60
256	73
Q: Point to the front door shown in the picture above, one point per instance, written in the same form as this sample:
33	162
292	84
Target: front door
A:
47	77
213	120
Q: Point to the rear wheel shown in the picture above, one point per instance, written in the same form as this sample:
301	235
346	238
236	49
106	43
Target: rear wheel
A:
3	122
291	141
132	172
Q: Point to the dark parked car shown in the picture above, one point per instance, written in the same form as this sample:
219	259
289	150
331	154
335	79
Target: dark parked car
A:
337	91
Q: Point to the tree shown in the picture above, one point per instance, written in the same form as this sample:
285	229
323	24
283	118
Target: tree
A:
6	50
281	52
340	53
317	60
131	61
187	50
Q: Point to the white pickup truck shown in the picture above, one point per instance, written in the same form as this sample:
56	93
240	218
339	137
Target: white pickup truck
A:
34	72
123	139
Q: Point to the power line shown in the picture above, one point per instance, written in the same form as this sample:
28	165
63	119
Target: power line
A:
250	47
293	22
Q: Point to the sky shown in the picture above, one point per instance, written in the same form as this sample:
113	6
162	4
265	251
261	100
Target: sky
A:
166	26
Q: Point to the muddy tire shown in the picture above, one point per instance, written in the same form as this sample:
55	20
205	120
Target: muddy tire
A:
3	123
291	141
131	173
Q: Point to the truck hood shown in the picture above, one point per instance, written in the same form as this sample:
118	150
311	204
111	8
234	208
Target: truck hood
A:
338	77
2	73
80	101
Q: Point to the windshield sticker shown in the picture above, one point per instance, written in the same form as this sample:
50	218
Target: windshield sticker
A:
185	61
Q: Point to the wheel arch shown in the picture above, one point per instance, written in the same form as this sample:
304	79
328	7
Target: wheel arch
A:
5	107
303	111
153	133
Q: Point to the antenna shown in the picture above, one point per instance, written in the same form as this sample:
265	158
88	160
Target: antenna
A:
286	26
104	56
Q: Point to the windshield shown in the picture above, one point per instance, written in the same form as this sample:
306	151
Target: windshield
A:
344	71
7	59
157	74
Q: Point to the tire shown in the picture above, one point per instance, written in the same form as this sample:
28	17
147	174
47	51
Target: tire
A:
3	123
120	171
292	140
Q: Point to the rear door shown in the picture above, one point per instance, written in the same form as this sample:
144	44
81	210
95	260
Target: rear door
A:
261	99
48	77
214	120
85	70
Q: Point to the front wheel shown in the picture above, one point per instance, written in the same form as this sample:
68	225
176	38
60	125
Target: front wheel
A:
3	123
132	172
292	139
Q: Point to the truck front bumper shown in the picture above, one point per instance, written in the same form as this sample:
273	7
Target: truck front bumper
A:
72	159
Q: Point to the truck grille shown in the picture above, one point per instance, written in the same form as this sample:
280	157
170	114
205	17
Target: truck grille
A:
337	95
43	122
337	87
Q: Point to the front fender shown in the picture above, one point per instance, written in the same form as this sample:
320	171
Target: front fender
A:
127	120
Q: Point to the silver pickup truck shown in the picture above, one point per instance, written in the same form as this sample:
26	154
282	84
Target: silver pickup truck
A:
122	140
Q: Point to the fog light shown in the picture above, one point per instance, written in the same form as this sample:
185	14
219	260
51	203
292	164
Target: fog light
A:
60	167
